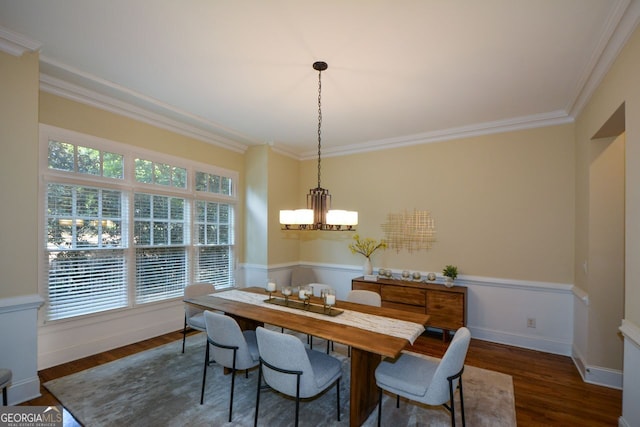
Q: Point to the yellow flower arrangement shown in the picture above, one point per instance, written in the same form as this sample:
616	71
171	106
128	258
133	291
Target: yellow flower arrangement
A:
366	246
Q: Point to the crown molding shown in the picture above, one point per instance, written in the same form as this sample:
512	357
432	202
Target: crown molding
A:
622	23
16	44
514	124
80	94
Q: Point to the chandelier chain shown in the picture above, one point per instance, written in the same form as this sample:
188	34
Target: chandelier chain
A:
319	121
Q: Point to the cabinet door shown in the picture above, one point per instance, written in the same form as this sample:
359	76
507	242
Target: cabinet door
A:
446	309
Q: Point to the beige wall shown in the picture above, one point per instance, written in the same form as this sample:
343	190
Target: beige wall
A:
503	204
256	161
285	192
272	185
606	251
19	165
619	86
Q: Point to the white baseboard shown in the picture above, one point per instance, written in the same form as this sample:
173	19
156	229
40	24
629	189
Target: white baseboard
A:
523	341
603	376
596	375
23	390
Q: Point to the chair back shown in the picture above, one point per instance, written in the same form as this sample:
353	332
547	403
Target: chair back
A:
365	297
301	276
452	362
285	352
224	330
196	290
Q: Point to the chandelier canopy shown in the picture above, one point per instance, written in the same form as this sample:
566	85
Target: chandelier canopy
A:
318	215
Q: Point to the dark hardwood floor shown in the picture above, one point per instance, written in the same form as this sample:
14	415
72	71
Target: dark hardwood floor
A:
548	388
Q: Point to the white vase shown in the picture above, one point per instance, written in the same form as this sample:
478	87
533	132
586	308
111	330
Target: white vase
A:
448	282
367	268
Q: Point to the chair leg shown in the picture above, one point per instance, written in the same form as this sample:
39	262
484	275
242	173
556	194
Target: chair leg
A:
204	373
461	402
338	397
4	397
452	409
379	406
297	398
397	401
255	420
184	332
328	342
233	380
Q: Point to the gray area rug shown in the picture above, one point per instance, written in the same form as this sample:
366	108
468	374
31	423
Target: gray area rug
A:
161	387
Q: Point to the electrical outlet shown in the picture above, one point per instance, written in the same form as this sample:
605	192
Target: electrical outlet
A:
531	322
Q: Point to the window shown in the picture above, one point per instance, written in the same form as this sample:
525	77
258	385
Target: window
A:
126	228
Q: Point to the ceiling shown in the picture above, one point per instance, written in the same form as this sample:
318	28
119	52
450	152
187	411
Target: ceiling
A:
239	73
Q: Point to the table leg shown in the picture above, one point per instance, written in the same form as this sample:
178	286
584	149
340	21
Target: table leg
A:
246	324
364	392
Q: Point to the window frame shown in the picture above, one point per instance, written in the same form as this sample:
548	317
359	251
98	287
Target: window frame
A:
129	186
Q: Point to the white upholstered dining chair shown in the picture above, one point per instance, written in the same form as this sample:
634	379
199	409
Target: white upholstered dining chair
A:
290	368
365	297
426	381
232	348
193	316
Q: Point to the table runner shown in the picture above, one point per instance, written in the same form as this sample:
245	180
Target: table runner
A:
384	325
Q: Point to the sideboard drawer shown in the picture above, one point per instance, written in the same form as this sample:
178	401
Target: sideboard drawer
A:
365	286
404	307
403	295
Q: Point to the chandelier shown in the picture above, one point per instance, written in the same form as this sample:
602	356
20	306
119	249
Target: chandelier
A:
318	215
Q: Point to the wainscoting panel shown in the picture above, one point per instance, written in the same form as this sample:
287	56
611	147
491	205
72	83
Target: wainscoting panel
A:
63	341
498	310
631	381
18	335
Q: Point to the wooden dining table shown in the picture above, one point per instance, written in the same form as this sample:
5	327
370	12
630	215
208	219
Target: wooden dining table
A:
367	347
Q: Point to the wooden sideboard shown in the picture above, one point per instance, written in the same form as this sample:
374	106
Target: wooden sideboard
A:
446	306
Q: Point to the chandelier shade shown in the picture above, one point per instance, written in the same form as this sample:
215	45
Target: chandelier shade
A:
318	215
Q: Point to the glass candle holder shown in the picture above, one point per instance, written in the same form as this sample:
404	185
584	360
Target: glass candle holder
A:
270	288
286	293
328	298
304	294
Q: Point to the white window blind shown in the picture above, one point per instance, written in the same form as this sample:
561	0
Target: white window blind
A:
214	259
161	273
83	282
85	274
126	226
